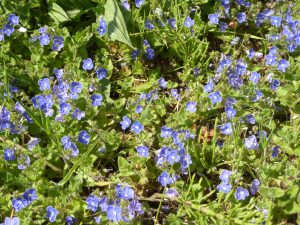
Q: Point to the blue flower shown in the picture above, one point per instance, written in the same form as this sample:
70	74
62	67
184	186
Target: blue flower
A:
8	30
172	157
19	108
251	53
240	2
163	178
9	154
149	25
32	143
44	84
102	149
77	114
235	81
226	6
172	23
274	84
74	149
83	137
58	43
268	13
139	3
188	22
213	18
276	21
70	220
223	26
173	179
254	77
224	187
171	193
125	123
273	50
93	202
64	108
288	33
225	175
258	96
215	97
259	19
87	64
136	127
96	99
251	119
241	193
241	17
58	73
30	195
143	151
18	203
191	106
126	5
196	71
134	54
209	86
102	27
254	186
11	221
13	19
241	67
224	63
174	93
135	206
101	73
166	132
185	161
124	192
44	39
230	112
162	82
226	128
43	29
103	204
114	213
230	102
275	151
27	117
282	65
51	214
146	43
97	219
138	109
76	87
251	142
4	119
150	53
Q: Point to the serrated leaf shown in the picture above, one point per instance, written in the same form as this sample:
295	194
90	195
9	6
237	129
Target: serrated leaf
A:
58	14
116	27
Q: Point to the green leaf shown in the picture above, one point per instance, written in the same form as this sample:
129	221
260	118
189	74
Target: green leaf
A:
145	86
58	14
124	167
116	27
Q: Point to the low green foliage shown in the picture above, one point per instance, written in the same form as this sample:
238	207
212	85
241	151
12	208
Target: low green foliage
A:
159	107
